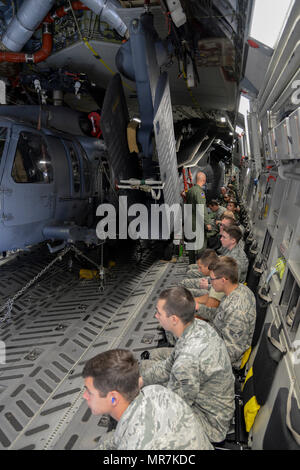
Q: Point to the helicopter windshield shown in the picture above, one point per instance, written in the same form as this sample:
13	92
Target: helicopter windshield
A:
32	163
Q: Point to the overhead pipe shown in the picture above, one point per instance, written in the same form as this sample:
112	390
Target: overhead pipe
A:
24	23
64	10
30	16
39	56
107	10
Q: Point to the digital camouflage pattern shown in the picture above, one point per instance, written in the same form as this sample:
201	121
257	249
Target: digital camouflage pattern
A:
240	257
234	320
199	371
158	419
192	284
193	271
218	214
170	338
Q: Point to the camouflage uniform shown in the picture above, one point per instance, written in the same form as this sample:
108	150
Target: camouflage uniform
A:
157	419
192	284
193	271
211	293
160	354
218	214
237	253
206	312
222	251
234	320
199	370
240	257
222	201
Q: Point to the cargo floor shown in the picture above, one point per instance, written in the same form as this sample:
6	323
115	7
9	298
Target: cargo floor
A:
54	327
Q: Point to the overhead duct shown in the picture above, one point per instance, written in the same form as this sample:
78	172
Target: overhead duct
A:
39	56
25	22
107	10
33	12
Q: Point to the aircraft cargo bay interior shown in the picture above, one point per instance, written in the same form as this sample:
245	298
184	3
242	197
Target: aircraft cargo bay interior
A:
150	226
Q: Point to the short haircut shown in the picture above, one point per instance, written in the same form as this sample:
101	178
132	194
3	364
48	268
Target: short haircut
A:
116	369
200	175
227	217
213	202
179	302
225	267
232	201
234	232
208	256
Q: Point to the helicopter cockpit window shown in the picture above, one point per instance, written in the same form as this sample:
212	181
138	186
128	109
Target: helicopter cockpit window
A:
3	132
32	163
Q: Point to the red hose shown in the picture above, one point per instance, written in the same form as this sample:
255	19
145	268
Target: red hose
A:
62	11
38	56
47	40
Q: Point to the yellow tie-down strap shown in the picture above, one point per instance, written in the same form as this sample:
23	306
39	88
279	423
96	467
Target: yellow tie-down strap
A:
88	274
251	407
245	357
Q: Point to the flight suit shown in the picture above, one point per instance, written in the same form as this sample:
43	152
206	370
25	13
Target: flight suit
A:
194	196
157	419
199	370
234	320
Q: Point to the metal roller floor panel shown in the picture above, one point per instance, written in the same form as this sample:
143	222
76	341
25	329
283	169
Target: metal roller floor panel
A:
54	327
